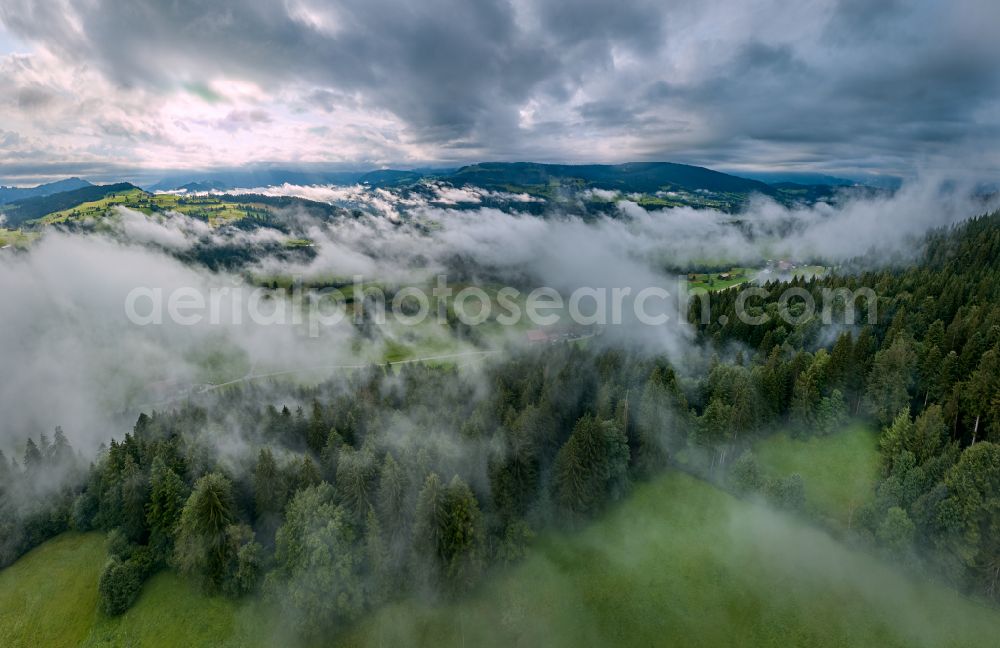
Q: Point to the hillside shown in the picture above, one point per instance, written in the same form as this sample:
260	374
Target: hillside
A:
391	178
49	598
10	194
659	185
97	201
682	564
739	575
641	177
654	185
251	178
31	208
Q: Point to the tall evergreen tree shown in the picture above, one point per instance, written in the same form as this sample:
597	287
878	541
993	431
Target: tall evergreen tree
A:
201	545
168	494
890	380
32	457
317	579
461	536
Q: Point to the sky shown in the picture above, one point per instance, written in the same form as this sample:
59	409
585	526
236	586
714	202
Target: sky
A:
111	88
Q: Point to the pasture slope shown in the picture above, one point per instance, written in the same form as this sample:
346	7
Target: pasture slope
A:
679	563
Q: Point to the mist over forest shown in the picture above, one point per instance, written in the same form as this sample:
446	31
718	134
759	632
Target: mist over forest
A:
508	323
70	289
326	471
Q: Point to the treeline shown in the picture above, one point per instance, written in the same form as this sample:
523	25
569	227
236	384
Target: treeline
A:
376	486
37	494
926	369
335	499
235	256
20	212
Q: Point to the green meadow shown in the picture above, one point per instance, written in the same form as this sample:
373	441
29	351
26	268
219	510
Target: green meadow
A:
16	237
684	564
209	208
720	280
839	470
49	598
679	563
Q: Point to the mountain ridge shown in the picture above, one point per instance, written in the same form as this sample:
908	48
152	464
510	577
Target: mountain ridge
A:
644	177
27	209
12	194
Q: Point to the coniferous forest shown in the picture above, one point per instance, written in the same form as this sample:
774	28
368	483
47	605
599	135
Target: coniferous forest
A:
351	323
387	482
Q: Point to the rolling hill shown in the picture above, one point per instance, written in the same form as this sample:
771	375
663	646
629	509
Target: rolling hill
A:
28	209
641	177
654	185
10	194
252	178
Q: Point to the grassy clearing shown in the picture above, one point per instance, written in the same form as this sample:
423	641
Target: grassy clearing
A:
49	598
208	208
16	238
679	563
839	470
95	208
171	611
396	352
720	280
683	564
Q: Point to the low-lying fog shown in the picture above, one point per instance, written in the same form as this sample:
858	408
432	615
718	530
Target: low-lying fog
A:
71	357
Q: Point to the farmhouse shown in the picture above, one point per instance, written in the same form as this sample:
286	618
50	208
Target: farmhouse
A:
537	336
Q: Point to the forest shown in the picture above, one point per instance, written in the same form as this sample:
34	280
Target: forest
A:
332	500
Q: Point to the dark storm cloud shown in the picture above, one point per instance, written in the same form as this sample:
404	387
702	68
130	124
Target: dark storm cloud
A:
848	84
888	84
442	65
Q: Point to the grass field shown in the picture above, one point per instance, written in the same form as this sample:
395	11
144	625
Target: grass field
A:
16	237
679	563
712	281
839	470
208	208
172	612
683	564
96	208
49	598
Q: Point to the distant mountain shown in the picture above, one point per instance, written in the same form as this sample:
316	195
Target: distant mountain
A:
252	178
391	178
207	185
10	194
795	193
249	179
642	177
798	177
28	209
661	184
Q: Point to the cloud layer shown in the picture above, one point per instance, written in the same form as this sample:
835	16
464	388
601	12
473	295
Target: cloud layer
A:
64	329
840	86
